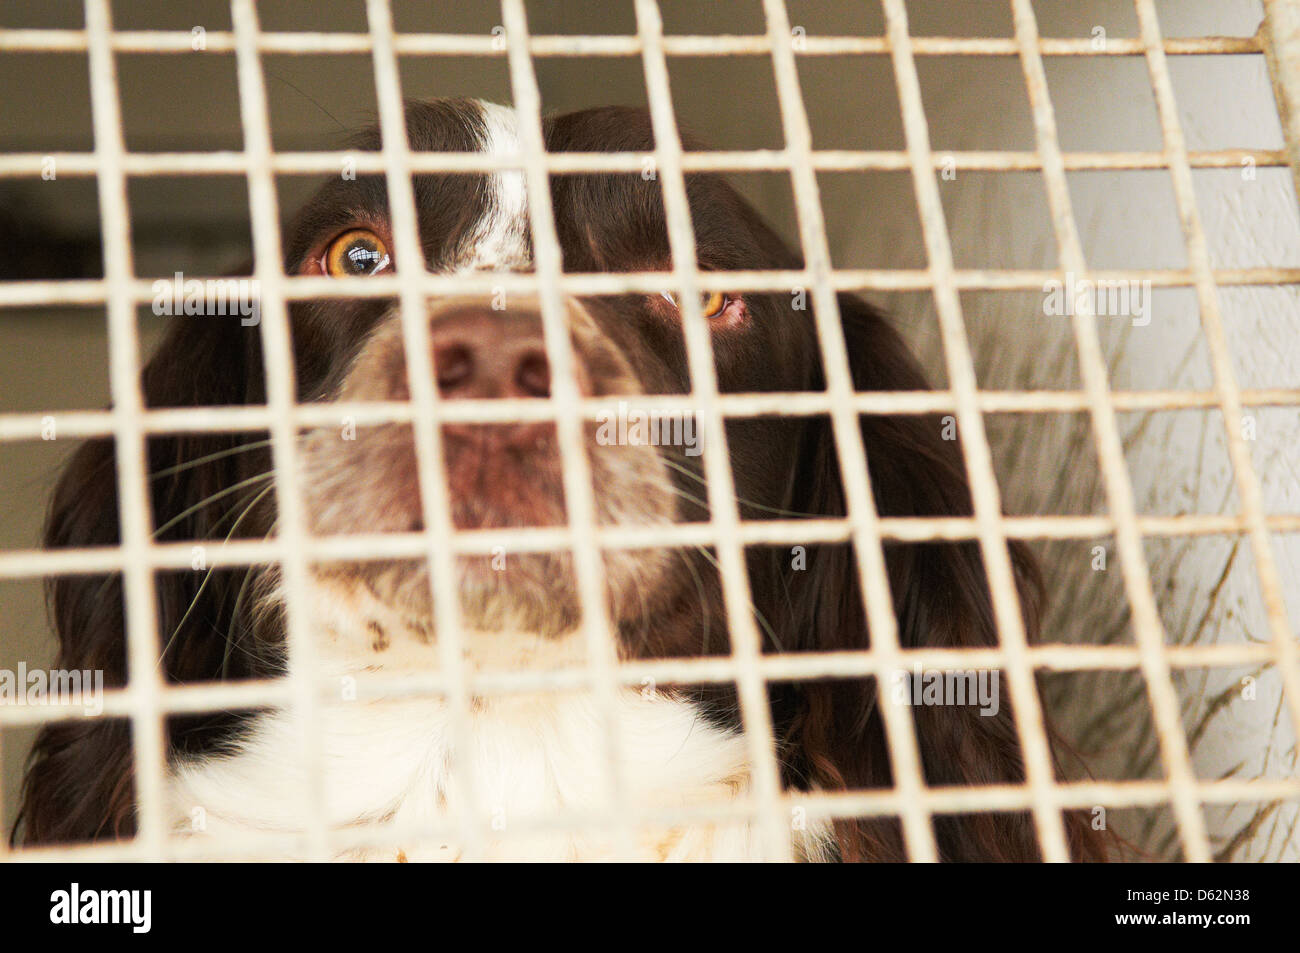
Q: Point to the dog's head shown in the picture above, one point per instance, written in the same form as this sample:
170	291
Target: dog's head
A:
646	466
661	601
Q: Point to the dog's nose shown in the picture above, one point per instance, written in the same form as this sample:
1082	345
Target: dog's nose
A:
479	352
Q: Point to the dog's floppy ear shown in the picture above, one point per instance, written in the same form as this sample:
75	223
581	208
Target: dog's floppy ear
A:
79	779
941	598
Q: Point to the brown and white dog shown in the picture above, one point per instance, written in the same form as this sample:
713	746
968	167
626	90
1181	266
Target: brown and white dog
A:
387	759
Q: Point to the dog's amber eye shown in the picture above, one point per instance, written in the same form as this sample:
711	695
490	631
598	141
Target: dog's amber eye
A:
712	303
356	252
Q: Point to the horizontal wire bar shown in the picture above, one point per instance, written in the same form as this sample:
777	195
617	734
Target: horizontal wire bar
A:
1114	795
457	44
34	563
1075	795
93	291
205	697
33	164
33	425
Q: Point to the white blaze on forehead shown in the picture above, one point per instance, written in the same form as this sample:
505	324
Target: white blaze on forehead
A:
502	238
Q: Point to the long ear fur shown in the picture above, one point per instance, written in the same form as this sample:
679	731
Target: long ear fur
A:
79	778
833	729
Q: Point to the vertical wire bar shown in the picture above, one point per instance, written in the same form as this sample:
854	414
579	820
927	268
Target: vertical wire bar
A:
142	645
1225	380
975	447
281	390
900	731
408	258
1110	451
724	513
579	495
1279	35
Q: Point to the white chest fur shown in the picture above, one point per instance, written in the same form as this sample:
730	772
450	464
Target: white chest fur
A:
525	759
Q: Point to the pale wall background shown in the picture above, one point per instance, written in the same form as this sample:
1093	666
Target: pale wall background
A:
1206	587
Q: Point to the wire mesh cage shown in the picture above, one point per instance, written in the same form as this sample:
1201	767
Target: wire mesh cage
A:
971	166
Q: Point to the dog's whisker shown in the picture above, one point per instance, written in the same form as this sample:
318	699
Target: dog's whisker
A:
705	615
208	576
232	636
209	500
774	510
209	458
239	508
758	615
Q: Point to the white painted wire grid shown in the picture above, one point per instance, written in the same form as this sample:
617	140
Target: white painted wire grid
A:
146	699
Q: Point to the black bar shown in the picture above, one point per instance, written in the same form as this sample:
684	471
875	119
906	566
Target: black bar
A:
401	904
